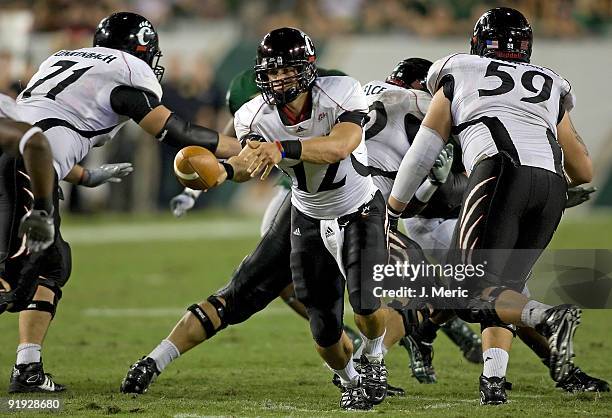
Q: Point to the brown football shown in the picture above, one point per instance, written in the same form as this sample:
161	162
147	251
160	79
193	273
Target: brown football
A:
196	168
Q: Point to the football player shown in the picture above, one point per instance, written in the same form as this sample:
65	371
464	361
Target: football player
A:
512	121
336	214
433	226
80	99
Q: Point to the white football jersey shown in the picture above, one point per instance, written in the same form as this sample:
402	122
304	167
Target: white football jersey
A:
69	98
395	116
322	191
501	106
8	107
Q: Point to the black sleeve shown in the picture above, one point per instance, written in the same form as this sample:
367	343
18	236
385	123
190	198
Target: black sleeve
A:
251	136
132	102
179	133
354	116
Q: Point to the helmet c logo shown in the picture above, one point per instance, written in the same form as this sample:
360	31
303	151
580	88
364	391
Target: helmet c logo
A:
144	35
309	45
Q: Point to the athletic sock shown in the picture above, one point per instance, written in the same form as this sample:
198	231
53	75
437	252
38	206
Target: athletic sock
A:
372	348
163	354
348	375
495	362
534	313
357	354
385	350
28	353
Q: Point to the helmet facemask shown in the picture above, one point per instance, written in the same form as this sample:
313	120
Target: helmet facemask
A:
286	89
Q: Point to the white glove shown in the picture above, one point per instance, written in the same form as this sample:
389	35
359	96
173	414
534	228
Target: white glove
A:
37	226
181	203
111	173
442	166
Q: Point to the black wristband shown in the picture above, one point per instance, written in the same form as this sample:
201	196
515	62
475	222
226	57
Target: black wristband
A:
292	149
43	203
229	170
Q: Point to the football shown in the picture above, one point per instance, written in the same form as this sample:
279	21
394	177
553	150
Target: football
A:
196	168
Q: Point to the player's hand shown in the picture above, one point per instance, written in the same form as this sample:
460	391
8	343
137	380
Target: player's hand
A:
106	173
37	226
442	166
181	203
260	157
578	195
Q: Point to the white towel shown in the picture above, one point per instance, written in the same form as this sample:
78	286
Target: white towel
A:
333	238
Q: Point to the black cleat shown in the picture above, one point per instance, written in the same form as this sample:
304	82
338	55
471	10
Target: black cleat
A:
391	390
578	381
492	390
395	391
558	328
32	378
373	379
421	356
467	340
353	399
140	376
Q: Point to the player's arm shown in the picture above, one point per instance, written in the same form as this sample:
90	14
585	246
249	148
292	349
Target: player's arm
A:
37	224
344	137
420	158
439	176
577	162
19	137
145	109
94	177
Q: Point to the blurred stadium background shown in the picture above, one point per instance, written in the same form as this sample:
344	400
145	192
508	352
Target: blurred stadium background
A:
135	269
206	42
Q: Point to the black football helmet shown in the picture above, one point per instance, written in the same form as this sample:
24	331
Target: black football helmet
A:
133	34
408	71
502	33
282	48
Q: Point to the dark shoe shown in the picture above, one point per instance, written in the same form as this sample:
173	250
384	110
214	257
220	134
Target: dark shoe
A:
467	340
373	379
395	391
492	390
558	328
32	378
140	376
353	398
578	381
421	356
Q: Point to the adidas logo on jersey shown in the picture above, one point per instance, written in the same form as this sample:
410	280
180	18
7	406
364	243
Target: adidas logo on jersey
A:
297	232
300	129
329	232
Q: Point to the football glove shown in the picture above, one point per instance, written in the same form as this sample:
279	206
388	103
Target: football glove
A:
578	195
181	203
442	167
37	226
106	173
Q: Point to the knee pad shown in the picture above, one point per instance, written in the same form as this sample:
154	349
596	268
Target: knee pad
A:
42	306
326	327
205	321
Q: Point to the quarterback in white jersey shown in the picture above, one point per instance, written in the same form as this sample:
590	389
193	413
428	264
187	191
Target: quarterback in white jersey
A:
312	128
513	124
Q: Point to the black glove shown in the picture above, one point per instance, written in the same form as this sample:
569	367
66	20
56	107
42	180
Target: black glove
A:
578	195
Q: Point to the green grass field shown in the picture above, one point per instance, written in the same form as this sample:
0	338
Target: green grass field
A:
128	291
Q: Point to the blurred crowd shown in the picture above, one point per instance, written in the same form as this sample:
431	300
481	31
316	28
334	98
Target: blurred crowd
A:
554	18
193	90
